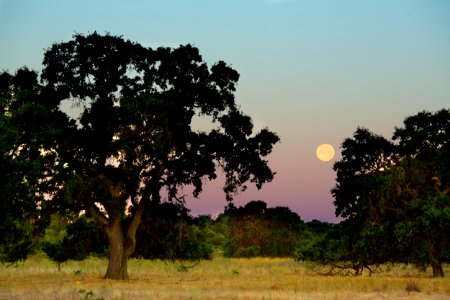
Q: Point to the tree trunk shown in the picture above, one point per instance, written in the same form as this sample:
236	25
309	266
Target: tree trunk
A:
436	254
122	245
437	270
117	265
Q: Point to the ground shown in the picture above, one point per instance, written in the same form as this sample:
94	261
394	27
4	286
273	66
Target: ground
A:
220	278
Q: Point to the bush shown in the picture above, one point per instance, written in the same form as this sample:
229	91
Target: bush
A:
167	231
255	230
16	241
251	251
81	239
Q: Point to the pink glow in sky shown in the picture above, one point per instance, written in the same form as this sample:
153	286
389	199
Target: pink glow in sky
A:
302	181
312	71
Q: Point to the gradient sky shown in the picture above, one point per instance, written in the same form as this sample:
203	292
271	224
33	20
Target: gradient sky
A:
312	71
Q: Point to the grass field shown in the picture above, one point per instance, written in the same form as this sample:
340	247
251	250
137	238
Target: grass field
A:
221	278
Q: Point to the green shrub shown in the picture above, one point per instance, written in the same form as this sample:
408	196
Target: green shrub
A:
251	251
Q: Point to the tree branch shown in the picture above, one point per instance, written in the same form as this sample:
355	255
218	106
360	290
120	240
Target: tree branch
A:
130	240
93	210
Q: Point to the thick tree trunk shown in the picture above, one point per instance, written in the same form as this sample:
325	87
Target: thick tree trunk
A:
122	246
117	265
122	243
437	270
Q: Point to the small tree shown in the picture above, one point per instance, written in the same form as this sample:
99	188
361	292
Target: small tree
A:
82	239
56	252
326	245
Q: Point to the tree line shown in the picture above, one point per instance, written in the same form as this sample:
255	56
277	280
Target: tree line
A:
169	232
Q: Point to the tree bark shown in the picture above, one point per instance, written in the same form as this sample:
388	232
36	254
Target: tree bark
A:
122	243
437	270
118	262
436	254
122	246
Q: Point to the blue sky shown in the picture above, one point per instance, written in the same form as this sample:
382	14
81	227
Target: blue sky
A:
313	71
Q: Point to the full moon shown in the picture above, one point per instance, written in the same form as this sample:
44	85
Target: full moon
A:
325	152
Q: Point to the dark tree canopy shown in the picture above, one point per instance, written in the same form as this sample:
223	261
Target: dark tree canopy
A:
24	163
422	186
396	194
138	107
363	157
133	139
167	231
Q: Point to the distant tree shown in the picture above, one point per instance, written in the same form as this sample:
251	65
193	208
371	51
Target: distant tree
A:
327	245
134	139
285	230
396	195
57	252
57	229
82	239
255	230
167	231
216	232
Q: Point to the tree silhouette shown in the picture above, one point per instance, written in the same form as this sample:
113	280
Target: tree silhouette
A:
395	195
24	163
133	142
422	186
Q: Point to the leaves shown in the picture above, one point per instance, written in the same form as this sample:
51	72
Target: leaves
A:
396	193
132	139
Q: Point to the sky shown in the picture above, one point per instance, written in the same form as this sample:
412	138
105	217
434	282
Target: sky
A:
312	71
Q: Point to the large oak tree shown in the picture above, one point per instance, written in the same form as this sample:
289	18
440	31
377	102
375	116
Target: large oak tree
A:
133	141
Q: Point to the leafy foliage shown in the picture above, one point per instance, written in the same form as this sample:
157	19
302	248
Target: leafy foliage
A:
169	232
81	240
396	195
255	230
327	245
24	166
133	137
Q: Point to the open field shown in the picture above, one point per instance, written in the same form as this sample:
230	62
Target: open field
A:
221	278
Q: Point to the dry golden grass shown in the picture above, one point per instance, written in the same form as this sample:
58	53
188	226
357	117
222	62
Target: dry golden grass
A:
221	278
